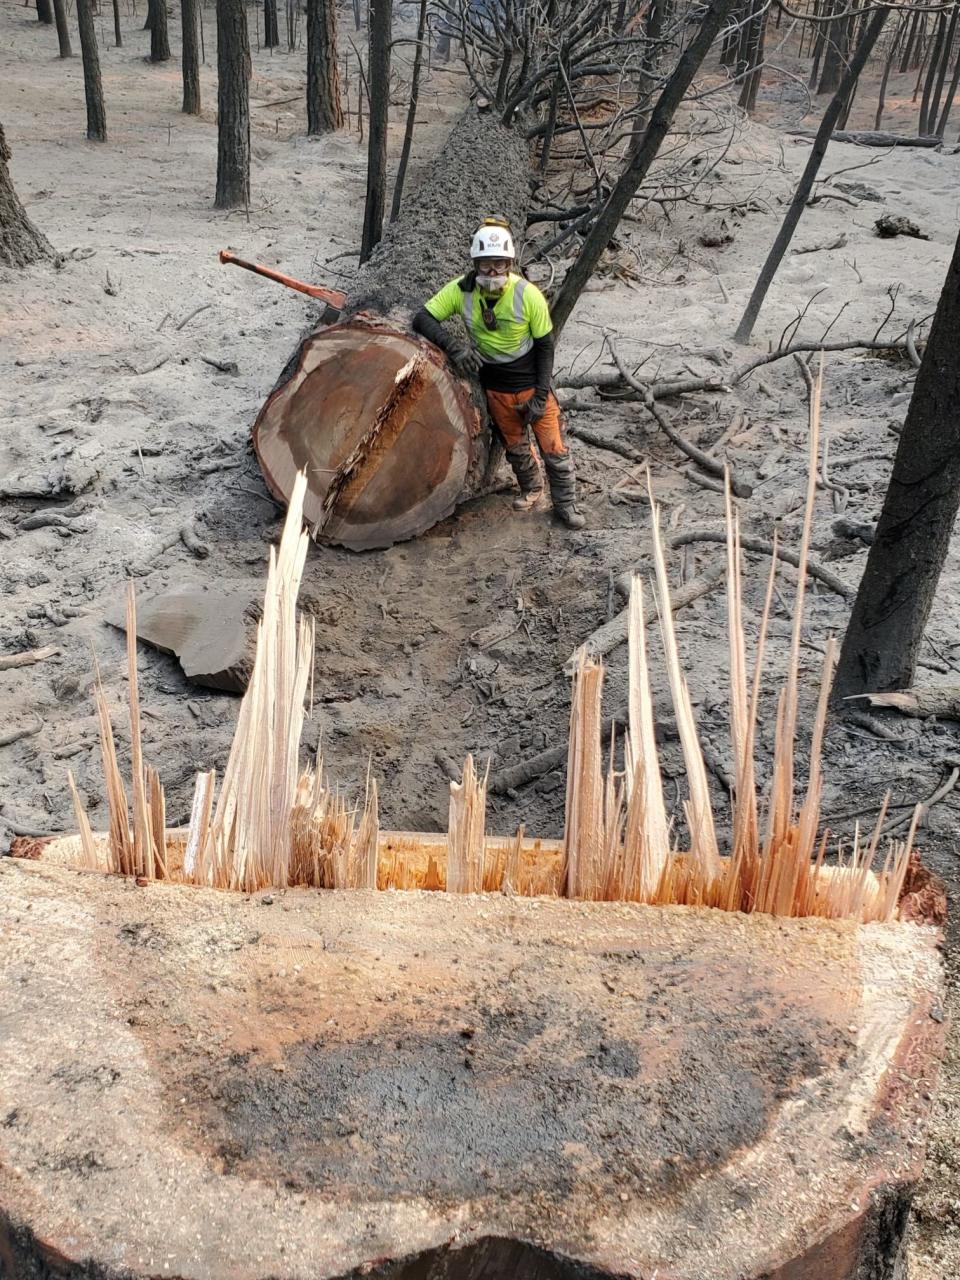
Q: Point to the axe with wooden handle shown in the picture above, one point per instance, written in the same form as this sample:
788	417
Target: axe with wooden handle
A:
333	297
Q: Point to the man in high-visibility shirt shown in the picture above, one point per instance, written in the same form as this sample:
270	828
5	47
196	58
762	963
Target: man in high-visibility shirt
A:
511	348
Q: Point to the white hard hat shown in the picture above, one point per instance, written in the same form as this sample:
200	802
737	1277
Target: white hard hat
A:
493	240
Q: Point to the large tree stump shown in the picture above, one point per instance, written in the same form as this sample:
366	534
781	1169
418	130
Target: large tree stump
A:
325	407
446	1087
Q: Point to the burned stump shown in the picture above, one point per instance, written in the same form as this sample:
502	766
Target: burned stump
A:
305	1084
343	376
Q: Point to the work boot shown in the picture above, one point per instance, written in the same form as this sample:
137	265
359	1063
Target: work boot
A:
563	489
527	501
525	468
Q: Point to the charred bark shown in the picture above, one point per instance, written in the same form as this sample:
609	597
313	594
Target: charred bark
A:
411	113
45	12
159	37
92	84
117	36
933	111
271	28
906	61
835	52
948	102
936	56
20	241
378	84
63	29
896	594
756	34
650	61
324	110
887	68
190	55
233	106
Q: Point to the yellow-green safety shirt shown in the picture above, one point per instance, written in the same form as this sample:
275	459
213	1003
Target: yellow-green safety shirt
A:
522	316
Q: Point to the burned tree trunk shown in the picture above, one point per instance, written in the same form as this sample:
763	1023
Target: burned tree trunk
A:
378	83
20	241
887	68
896	594
348	386
930	125
936	56
755	40
117	36
190	55
233	106
324	112
92	84
159	38
271	29
45	12
835	52
411	114
63	30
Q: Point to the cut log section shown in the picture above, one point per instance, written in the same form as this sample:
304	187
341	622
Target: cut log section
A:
388	436
409	1085
338	393
209	630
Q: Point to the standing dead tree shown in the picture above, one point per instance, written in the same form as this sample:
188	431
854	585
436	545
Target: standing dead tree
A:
378	87
159	36
233	106
324	110
271	29
190	55
20	241
45	12
92	83
805	185
411	113
753	43
896	594
63	29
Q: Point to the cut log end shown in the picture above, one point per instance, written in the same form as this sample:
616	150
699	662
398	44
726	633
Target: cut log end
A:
547	1088
386	456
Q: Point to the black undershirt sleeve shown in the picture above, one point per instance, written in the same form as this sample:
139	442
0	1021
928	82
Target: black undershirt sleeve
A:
543	349
431	328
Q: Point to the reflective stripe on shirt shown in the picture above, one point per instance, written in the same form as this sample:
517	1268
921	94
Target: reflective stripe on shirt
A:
473	319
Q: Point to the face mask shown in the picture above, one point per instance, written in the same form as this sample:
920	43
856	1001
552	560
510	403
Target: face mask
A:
493	284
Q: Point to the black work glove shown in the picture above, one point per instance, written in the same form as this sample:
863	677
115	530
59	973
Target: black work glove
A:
536	407
464	359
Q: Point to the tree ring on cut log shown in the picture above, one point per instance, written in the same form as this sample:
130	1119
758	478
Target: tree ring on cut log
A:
340	399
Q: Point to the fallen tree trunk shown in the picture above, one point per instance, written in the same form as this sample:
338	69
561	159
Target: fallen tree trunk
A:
462	1085
323	413
872	138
